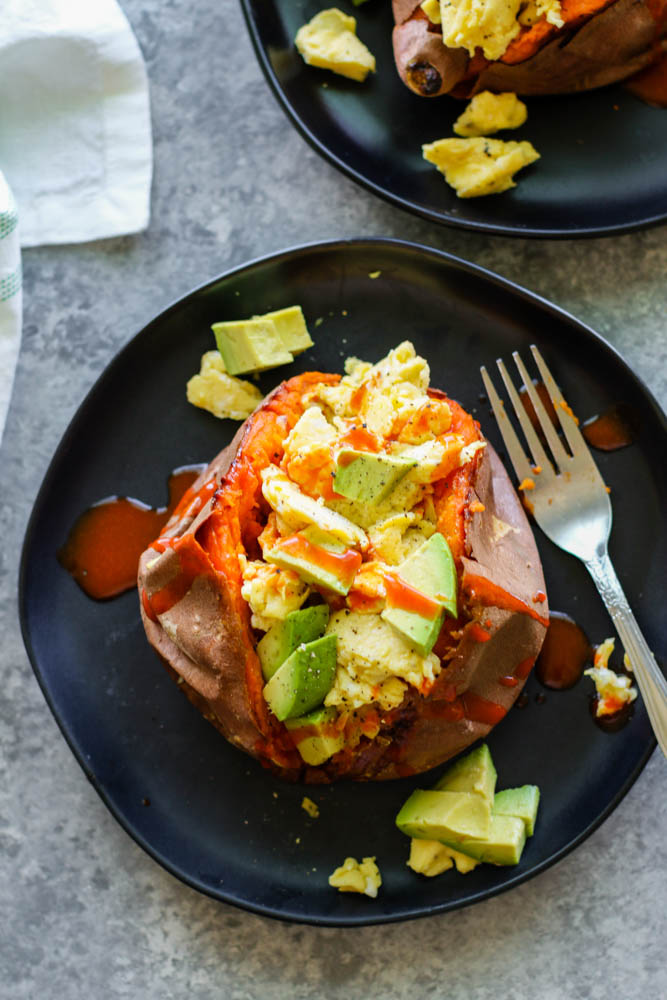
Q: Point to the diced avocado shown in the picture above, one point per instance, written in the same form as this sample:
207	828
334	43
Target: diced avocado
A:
521	803
420	632
502	846
302	681
445	816
291	326
473	773
319	740
283	638
366	476
250	345
313	563
431	570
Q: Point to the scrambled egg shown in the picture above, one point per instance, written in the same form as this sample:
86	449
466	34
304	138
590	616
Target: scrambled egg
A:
382	408
374	662
488	113
533	10
355	876
478	166
330	41
394	538
310	807
271	592
296	510
432	10
614	690
221	394
490	25
430	857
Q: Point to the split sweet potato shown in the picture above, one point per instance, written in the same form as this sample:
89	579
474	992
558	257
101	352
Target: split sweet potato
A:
600	42
199	623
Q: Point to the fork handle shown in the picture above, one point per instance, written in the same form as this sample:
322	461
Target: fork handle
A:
650	679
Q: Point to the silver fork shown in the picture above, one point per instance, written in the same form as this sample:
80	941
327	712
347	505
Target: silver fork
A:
571	504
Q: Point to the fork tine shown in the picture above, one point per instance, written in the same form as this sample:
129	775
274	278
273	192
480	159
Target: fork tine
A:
514	448
557	450
540	456
575	438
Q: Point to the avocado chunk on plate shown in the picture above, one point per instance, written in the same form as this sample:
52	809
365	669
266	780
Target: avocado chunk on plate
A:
315	736
250	345
301	683
502	846
520	802
473	773
445	816
304	625
291	327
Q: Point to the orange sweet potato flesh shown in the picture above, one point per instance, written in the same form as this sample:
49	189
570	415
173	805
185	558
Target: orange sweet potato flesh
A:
198	622
601	42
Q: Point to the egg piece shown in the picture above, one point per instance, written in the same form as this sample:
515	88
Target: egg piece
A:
533	10
479	166
489	25
357	876
297	510
308	459
430	857
370	652
488	113
614	691
329	41
272	593
223	395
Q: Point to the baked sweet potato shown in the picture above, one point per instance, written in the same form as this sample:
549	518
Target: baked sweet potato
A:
197	619
599	42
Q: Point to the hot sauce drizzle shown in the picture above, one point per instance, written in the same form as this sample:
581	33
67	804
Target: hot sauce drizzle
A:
104	545
342	565
401	595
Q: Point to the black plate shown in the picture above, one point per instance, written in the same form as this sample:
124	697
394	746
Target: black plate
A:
603	153
216	819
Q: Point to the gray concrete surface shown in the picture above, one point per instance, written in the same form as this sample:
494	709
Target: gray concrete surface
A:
85	914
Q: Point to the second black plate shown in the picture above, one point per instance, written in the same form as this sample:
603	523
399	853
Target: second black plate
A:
603	153
204	810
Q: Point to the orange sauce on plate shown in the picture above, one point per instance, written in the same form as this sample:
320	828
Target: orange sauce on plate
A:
104	545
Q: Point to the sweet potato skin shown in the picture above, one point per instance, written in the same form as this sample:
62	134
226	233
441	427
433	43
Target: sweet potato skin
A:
204	637
613	45
610	46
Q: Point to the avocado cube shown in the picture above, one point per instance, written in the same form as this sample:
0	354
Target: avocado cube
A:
445	816
473	773
315	736
502	846
291	327
521	803
303	680
366	476
422	633
432	571
250	345
323	561
283	638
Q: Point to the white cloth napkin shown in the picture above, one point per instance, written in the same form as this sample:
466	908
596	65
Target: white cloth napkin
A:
75	136
10	296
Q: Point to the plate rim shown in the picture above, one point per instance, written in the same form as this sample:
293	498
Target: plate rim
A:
293	253
431	215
